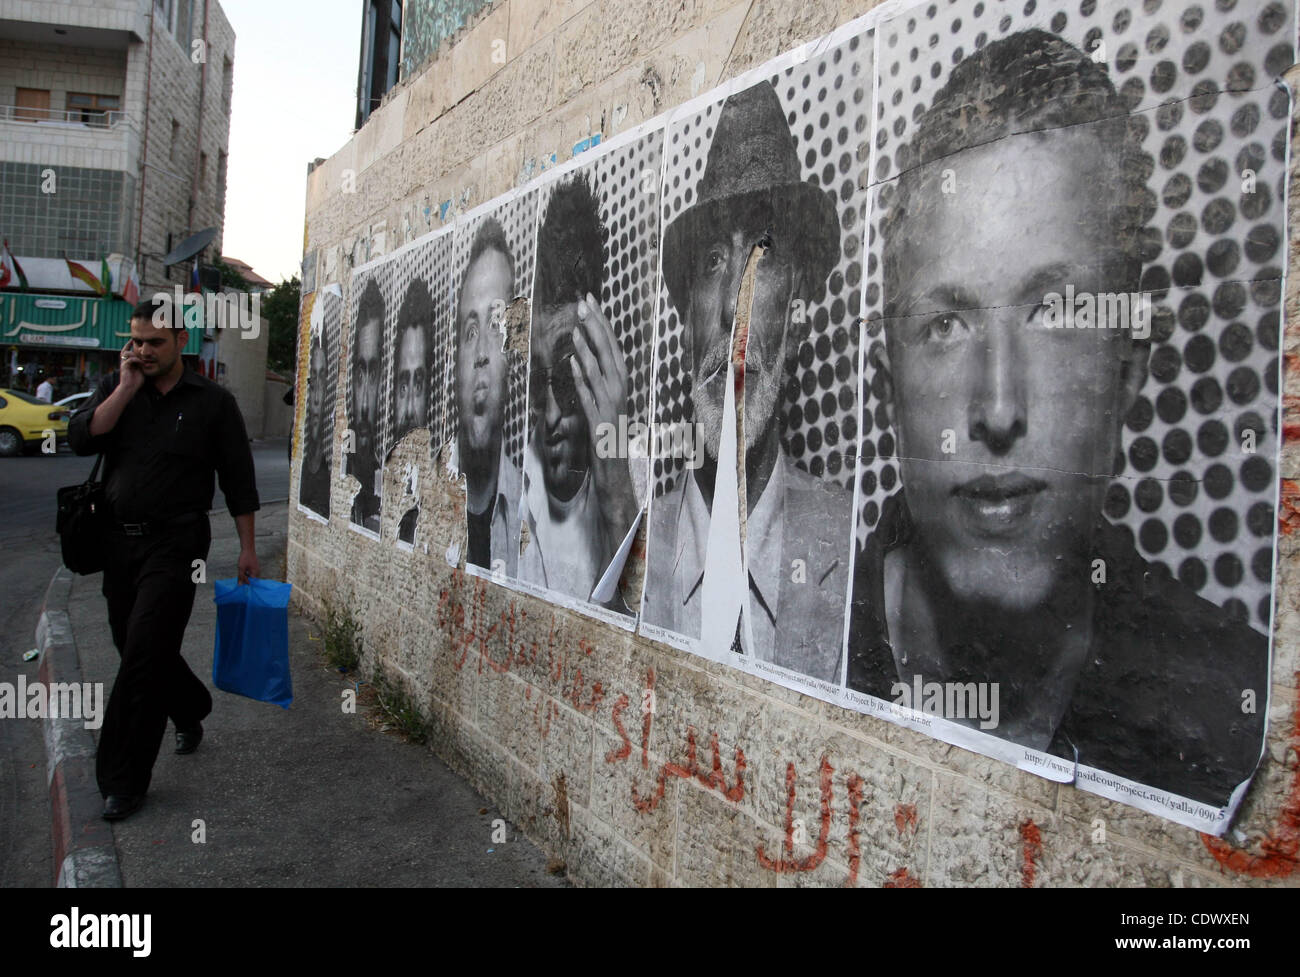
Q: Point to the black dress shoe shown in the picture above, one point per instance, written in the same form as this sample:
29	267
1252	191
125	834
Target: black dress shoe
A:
119	806
188	740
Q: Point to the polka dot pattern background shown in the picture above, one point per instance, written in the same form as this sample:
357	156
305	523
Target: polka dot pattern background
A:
625	182
518	218
827	102
430	261
1200	76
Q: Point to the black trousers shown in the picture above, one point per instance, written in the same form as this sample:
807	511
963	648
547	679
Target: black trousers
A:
148	582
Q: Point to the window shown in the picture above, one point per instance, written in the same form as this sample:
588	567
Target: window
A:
178	17
221	179
228	83
176	138
381	49
203	171
32	105
394	42
184	15
92	109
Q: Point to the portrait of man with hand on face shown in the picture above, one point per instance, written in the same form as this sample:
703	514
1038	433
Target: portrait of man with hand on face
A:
579	503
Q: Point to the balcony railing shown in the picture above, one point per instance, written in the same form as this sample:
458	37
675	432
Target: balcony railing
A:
74	118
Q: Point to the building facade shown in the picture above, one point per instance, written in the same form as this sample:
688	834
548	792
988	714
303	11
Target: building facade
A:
114	136
642	762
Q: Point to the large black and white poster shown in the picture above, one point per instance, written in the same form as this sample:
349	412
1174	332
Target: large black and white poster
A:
421	341
317	435
1069	452
586	460
940	357
369	408
750	528
492	275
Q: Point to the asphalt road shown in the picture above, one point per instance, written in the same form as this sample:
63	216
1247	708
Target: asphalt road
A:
29	555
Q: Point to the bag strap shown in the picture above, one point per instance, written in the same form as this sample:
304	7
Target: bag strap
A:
95	471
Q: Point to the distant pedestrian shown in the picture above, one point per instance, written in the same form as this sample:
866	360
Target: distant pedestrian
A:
165	432
45	391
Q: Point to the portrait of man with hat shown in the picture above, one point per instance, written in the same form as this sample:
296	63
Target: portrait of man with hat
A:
752	201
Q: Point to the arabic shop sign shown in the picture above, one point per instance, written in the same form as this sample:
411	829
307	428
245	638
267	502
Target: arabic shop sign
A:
69	321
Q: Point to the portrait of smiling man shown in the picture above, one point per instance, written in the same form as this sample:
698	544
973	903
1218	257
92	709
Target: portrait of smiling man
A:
363	405
752	202
578	504
492	480
995	563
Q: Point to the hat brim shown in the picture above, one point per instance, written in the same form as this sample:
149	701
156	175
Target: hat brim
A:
810	212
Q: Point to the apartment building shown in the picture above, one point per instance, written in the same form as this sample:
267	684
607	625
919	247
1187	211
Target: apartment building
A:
114	135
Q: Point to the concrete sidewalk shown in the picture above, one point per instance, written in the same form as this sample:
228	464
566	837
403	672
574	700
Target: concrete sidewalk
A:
311	796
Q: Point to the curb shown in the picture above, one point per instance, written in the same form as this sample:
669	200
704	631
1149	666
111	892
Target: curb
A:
84	853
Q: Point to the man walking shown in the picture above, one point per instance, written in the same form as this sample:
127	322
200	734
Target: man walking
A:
165	431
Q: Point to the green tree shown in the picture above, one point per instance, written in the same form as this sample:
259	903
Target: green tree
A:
280	310
230	278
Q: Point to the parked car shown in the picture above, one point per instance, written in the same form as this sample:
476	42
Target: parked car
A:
73	402
25	422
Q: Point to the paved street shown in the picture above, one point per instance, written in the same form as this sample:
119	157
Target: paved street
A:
310	796
29	555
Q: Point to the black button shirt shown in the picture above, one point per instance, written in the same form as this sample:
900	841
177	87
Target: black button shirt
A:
161	456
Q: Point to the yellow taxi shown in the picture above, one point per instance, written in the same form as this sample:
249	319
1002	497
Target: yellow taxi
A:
28	422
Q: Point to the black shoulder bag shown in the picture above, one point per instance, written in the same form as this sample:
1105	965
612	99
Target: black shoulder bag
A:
82	523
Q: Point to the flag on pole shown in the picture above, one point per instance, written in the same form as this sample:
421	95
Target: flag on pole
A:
131	290
83	274
17	268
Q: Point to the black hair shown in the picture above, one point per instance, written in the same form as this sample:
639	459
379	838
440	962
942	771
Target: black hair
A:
490	236
570	246
369	306
1028	82
417	313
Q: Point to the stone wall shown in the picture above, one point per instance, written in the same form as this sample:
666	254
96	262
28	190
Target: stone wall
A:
635	763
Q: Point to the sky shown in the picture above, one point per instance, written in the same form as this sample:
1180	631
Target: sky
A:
292	102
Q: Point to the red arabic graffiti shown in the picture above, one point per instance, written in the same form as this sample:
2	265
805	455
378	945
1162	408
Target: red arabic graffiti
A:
715	779
1279	852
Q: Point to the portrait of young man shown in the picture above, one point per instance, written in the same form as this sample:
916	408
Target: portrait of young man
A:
492	480
364	380
168	436
314	483
752	200
995	562
412	375
578	503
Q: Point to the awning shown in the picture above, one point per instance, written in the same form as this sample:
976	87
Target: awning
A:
69	322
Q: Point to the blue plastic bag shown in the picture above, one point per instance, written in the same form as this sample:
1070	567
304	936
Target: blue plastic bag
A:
252	652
